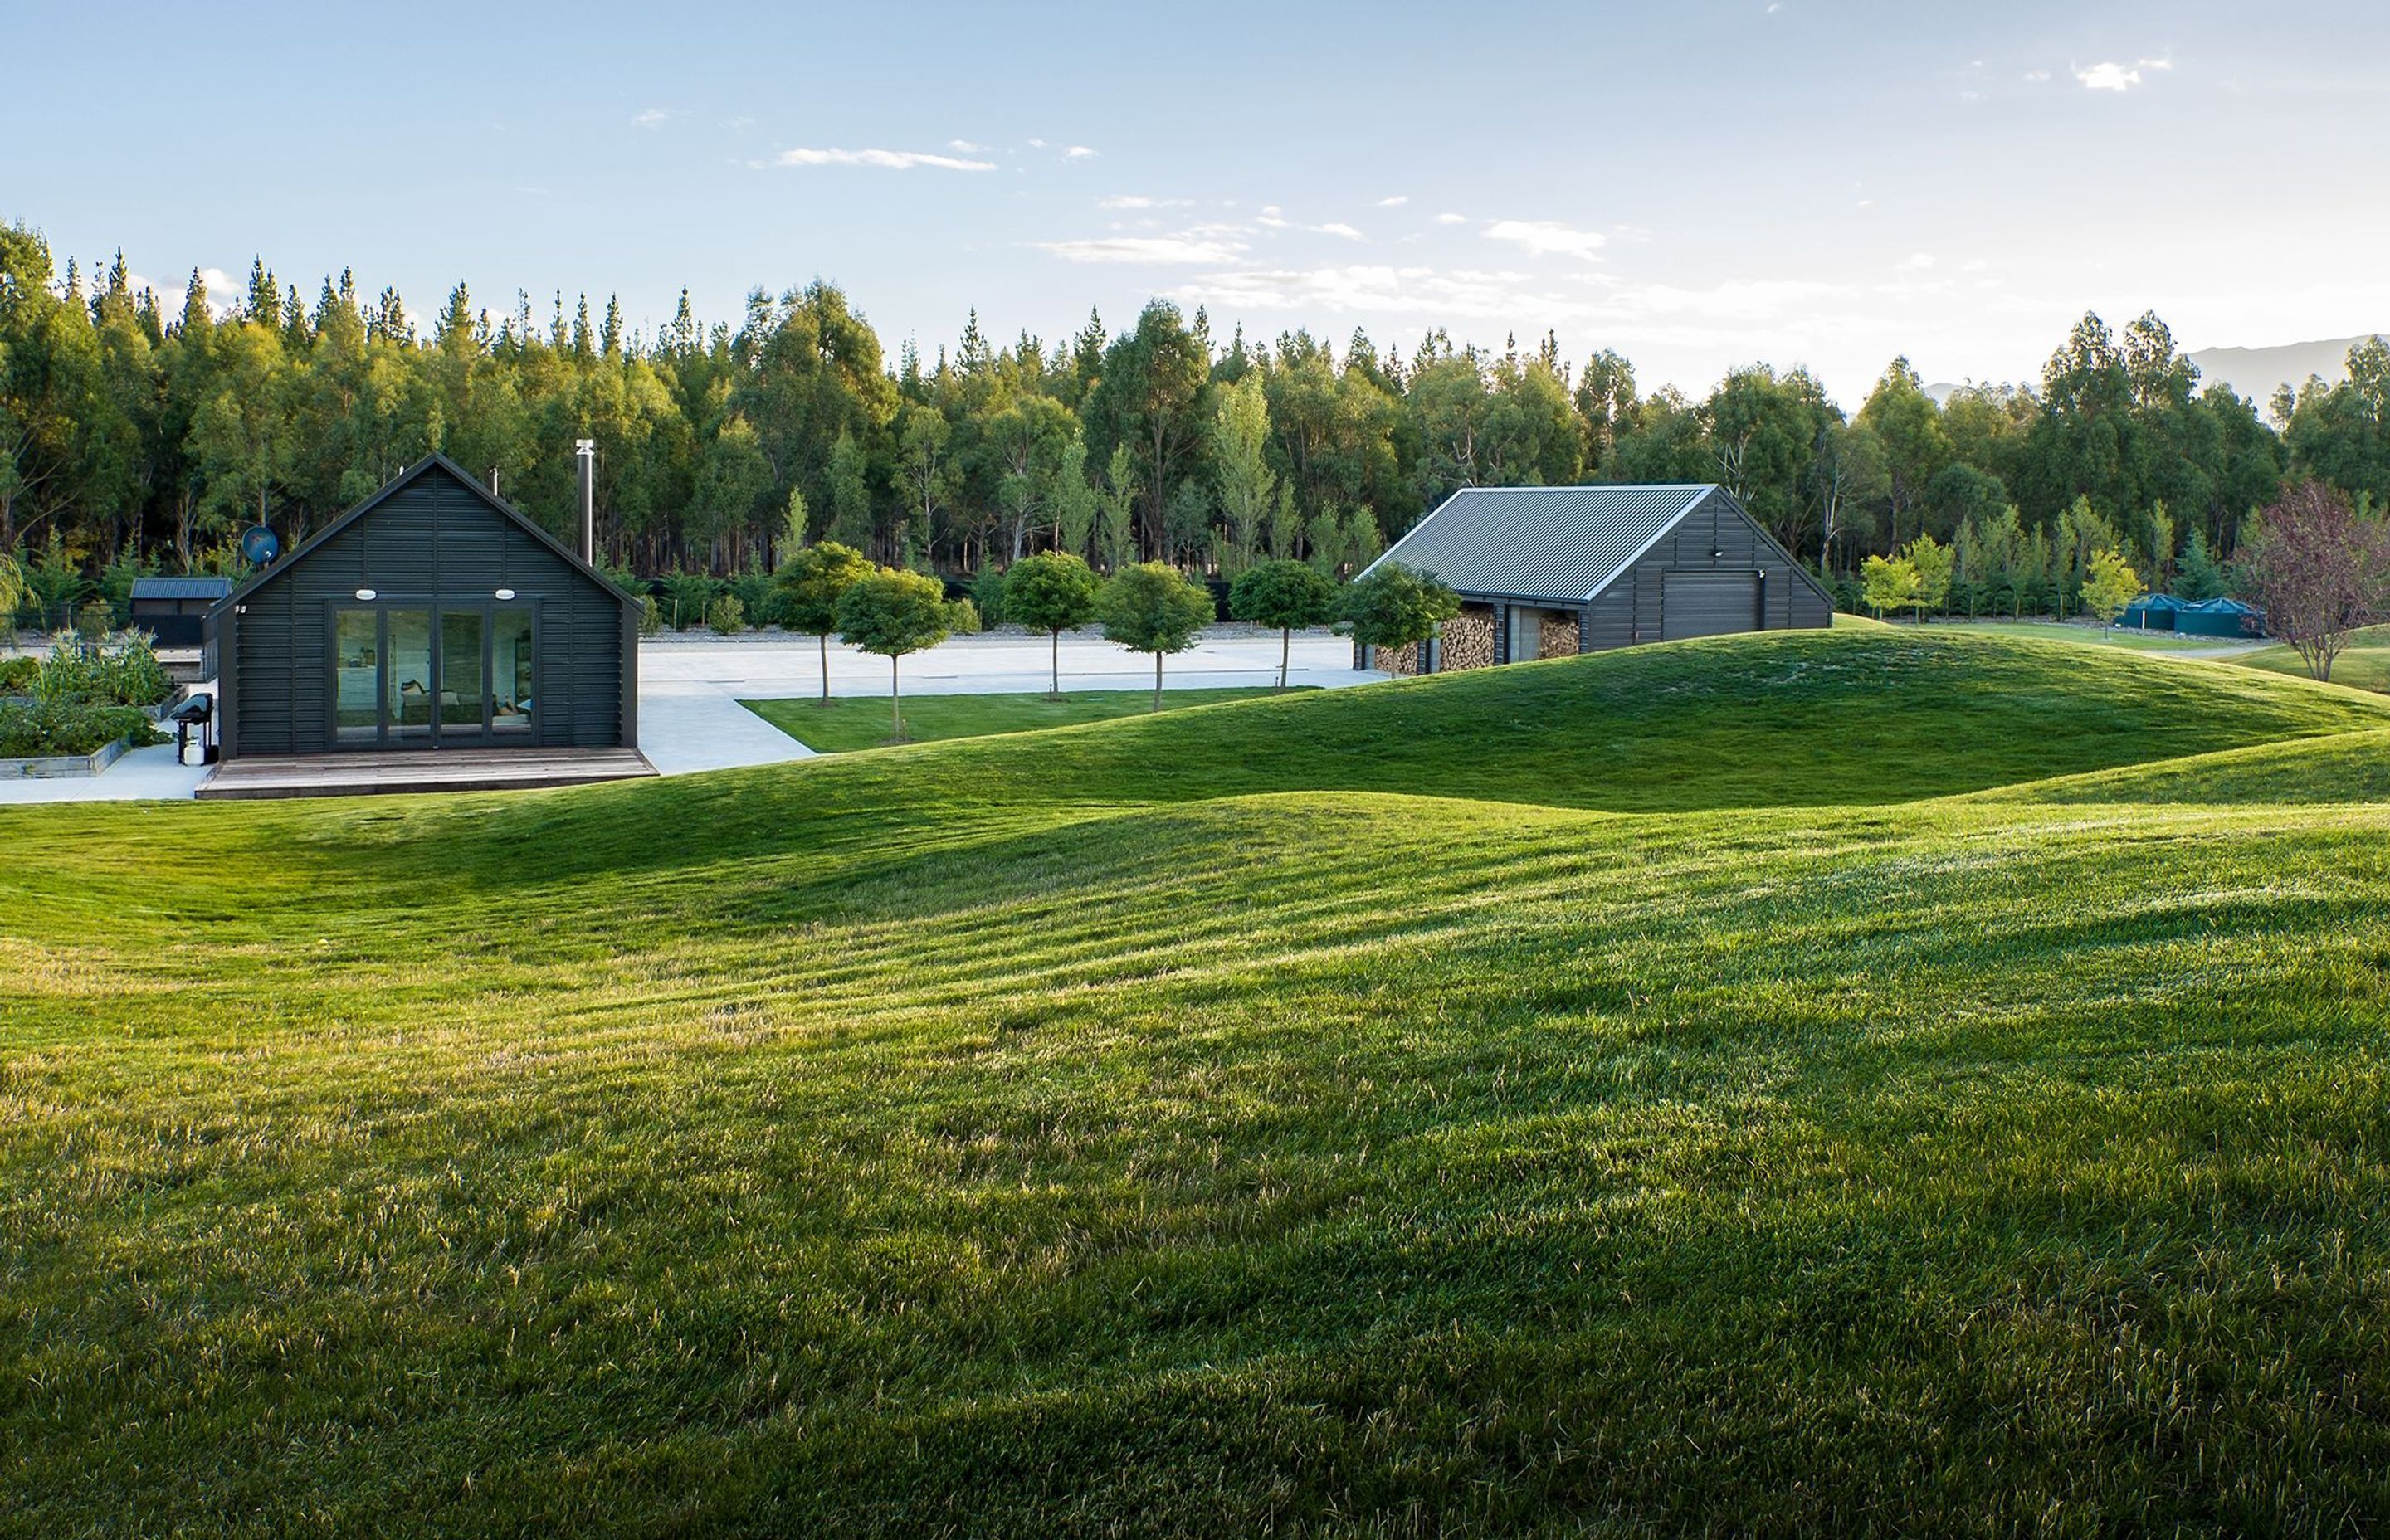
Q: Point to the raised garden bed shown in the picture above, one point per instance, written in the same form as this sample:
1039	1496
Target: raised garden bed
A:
57	766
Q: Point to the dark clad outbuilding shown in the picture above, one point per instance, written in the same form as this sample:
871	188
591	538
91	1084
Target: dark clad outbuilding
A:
1545	571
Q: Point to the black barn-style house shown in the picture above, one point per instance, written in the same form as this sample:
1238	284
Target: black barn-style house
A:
429	616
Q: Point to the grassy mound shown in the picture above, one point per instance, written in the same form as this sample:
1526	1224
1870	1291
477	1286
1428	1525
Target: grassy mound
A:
2349	767
1873	715
1016	1136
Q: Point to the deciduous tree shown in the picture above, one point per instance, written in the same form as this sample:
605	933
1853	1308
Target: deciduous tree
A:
893	612
1393	605
2110	584
1154	608
2319	569
1887	582
1054	592
1284	595
812	581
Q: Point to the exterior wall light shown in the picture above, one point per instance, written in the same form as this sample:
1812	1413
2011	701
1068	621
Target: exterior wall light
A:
506	593
365	593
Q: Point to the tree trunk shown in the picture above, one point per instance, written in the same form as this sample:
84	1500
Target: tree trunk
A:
1053	691
895	699
1285	647
1157	681
825	652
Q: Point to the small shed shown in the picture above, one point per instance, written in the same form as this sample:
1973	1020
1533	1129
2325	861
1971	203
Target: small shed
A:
429	616
175	610
2220	618
1550	572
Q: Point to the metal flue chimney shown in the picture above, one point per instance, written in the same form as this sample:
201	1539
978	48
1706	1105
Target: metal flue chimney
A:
585	450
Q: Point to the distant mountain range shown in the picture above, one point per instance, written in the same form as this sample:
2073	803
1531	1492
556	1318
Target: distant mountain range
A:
2255	372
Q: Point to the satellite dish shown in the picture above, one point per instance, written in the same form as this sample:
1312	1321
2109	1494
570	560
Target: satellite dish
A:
258	545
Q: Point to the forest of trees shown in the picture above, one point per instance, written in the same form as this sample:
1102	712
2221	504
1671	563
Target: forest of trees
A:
139	433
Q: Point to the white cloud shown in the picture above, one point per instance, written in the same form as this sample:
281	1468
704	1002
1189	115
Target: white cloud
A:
224	292
1452	219
1342	231
650	118
1920	263
1725	314
886	159
2112	76
1545	237
1036	144
1975	264
1135	200
966	147
2035	77
1078	152
1395	202
1193	249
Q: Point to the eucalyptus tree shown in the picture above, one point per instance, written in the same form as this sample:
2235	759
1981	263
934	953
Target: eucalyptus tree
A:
1149	399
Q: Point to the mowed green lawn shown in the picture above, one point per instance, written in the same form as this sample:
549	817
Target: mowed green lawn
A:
861	722
1621	1094
2365	665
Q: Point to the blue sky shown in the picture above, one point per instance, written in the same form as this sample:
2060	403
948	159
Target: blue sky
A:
1695	185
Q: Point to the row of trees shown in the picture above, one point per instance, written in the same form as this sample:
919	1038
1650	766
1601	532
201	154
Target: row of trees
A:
136	431
1147	606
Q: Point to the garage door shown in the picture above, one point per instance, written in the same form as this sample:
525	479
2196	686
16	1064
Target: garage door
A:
1708	604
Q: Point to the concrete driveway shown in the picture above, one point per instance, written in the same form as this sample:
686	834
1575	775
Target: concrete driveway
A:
775	666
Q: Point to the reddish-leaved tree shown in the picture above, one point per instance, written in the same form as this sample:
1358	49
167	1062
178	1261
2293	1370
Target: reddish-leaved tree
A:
2318	570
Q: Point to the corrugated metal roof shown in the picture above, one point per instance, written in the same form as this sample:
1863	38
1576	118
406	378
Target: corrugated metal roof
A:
181	587
1562	543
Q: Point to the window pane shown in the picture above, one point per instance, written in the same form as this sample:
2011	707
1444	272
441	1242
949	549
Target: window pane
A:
511	670
460	672
354	673
406	675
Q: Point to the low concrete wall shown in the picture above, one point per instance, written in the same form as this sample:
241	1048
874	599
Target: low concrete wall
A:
56	765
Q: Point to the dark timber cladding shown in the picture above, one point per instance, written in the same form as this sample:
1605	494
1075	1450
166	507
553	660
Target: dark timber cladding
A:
1626	564
430	616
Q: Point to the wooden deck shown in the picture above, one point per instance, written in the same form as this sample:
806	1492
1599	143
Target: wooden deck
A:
374	774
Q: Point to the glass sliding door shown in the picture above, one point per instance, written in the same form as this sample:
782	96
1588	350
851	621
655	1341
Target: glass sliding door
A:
510	674
409	683
422	677
356	679
464	703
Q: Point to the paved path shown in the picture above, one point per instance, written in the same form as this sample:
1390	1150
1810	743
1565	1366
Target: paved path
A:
690	724
142	775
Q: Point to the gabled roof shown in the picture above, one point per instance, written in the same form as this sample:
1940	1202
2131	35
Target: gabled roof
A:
1560	543
200	587
390	489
